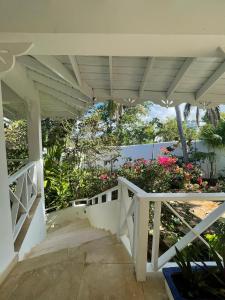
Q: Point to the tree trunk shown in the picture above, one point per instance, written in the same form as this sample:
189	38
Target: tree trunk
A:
181	133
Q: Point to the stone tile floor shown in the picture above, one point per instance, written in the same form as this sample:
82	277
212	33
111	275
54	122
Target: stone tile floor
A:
96	270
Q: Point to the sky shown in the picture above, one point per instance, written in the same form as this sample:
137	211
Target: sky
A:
157	111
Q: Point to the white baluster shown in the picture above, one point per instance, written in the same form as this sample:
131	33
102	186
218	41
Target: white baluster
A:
120	199
142	238
156	235
108	196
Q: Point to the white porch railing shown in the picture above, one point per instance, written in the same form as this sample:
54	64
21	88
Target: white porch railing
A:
108	195
134	223
23	192
133	227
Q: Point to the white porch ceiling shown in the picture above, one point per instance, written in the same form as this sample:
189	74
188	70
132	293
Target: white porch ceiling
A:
67	84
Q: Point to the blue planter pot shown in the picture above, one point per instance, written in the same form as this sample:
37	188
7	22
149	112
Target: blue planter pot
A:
173	292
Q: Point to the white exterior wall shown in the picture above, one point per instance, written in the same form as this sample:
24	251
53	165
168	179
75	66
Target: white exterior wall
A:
36	232
105	216
66	215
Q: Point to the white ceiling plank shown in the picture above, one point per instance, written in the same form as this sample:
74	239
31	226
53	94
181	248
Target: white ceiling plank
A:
75	68
57	67
147	72
82	83
210	81
111	75
21	84
62	97
32	64
51	99
10	97
9	113
180	74
57	86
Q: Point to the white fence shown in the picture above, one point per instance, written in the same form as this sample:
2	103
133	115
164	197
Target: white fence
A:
152	151
23	192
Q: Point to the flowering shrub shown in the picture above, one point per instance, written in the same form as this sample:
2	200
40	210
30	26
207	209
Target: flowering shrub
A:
166	161
165	174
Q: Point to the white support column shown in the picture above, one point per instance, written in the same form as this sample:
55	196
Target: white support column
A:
6	235
141	239
35	141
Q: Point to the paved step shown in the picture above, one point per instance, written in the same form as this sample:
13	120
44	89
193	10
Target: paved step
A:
68	235
76	261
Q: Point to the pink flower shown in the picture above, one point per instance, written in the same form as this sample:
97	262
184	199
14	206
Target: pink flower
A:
104	177
164	150
189	166
166	161
199	180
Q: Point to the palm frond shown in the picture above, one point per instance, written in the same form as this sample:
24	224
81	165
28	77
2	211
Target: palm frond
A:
197	115
187	110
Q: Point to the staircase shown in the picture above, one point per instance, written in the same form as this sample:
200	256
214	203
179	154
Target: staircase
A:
69	235
77	261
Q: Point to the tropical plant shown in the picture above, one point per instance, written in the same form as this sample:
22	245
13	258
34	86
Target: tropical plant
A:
16	144
212	115
168	131
181	133
200	281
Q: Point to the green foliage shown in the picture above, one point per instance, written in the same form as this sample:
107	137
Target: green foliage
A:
168	131
166	173
73	148
65	181
56	132
16	144
217	238
211	136
126	125
147	174
16	139
201	281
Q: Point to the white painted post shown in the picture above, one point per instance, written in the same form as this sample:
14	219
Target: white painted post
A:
35	141
156	235
6	233
120	195
142	238
108	196
135	240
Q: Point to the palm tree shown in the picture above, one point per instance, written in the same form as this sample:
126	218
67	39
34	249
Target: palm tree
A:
181	133
211	114
111	113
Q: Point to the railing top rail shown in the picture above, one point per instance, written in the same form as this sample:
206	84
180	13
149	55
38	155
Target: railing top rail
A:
185	196
132	187
20	172
105	192
172	196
